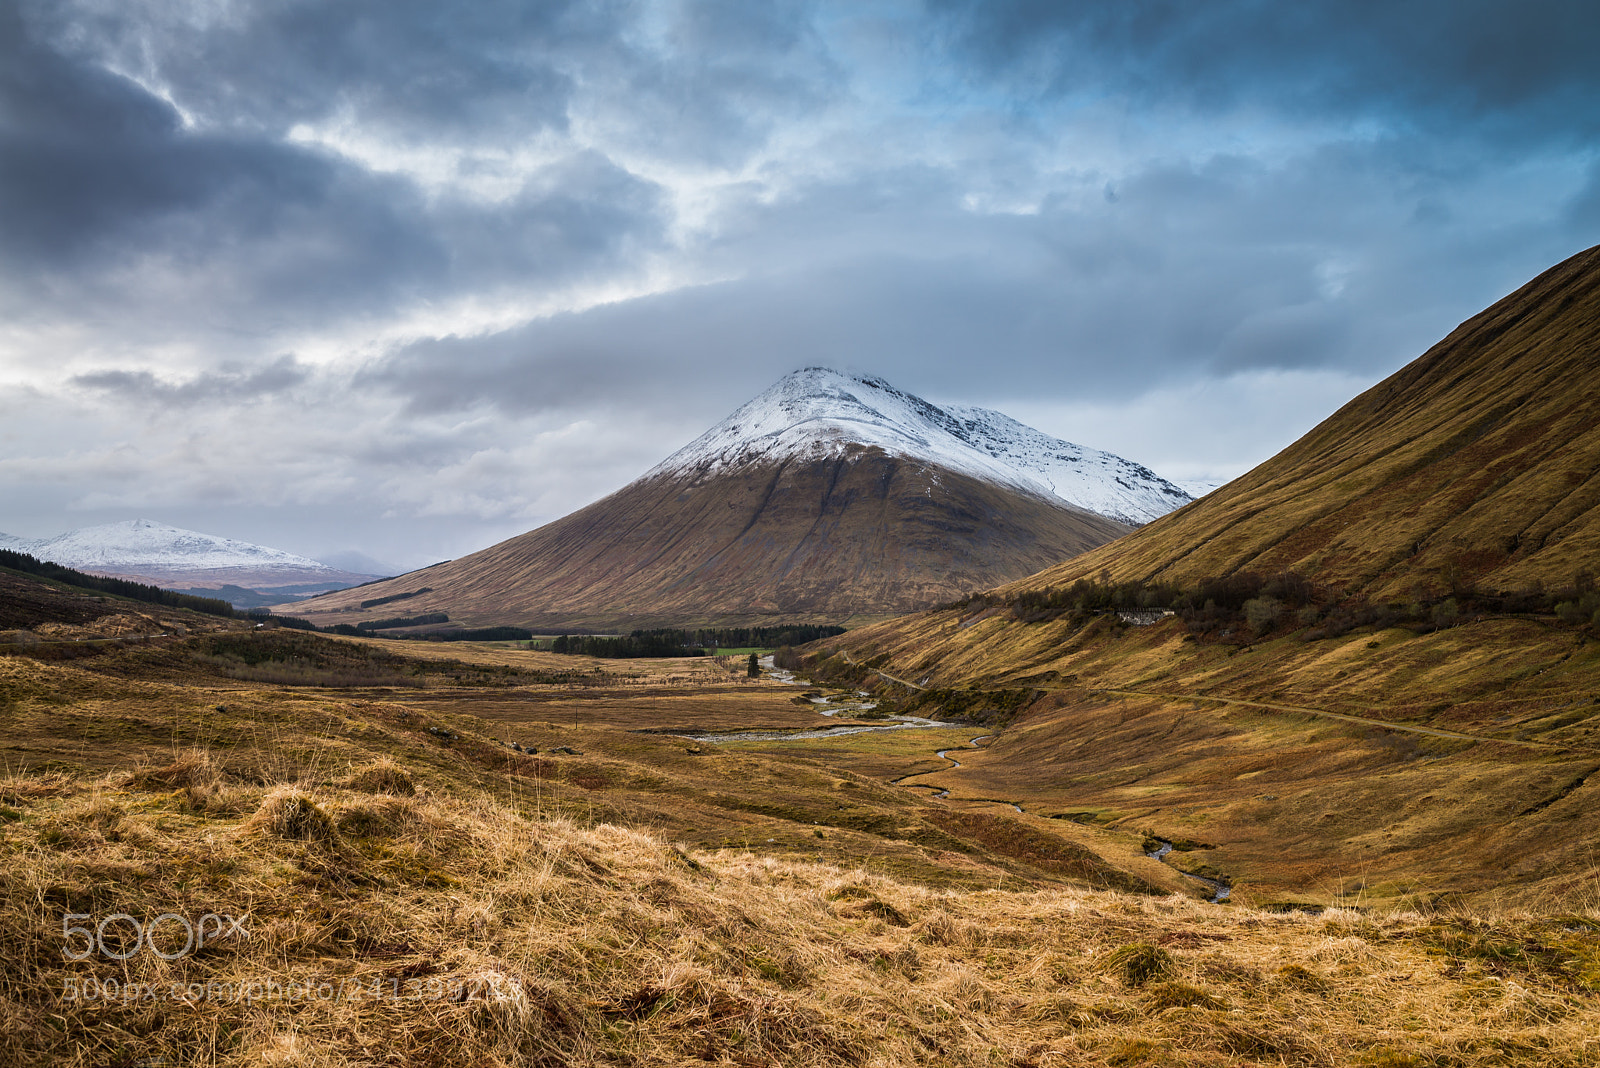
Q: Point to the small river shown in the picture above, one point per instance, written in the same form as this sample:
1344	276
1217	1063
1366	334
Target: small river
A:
859	703
851	705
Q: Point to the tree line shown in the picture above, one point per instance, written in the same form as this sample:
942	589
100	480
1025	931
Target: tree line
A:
135	591
1245	606
668	641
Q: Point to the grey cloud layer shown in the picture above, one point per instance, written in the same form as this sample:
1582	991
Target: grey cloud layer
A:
227	385
404	241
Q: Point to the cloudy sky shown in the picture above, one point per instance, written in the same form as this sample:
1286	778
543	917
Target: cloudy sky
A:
406	277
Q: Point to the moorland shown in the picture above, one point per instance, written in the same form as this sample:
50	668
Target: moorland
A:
477	853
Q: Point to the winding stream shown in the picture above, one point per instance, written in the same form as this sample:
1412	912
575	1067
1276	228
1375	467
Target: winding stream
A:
1220	891
834	706
827	706
940	792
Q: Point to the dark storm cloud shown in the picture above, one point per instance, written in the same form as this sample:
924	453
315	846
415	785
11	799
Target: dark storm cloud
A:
145	390
87	156
1210	268
98	174
1529	66
931	324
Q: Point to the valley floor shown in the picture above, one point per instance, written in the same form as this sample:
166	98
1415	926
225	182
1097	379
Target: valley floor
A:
419	892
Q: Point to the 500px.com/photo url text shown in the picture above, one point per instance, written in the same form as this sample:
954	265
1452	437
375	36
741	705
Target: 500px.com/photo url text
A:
110	990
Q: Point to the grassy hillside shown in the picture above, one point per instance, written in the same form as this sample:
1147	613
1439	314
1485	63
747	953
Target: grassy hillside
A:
418	893
1478	464
1384	670
1396	764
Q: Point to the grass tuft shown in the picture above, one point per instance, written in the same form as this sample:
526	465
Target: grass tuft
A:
1138	963
1173	995
288	813
382	777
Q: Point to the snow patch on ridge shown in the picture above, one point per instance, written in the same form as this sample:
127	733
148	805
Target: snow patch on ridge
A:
142	543
817	413
1199	487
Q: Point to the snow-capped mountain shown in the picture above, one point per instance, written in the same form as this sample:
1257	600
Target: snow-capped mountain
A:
817	413
828	498
139	544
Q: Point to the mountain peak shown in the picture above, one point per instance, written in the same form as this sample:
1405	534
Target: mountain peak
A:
819	412
830	497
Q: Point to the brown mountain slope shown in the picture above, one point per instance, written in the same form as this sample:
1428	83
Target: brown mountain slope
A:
1479	461
1301	760
862	536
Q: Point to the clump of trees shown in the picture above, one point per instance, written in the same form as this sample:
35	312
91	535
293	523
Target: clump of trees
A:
1086	597
404	621
476	634
1245	599
459	634
668	641
640	643
761	637
1245	606
785	657
1583	604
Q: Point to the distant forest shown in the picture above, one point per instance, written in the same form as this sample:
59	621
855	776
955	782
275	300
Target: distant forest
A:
136	591
671	642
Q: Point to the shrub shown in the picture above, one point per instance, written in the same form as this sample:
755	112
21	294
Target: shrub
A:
1262	612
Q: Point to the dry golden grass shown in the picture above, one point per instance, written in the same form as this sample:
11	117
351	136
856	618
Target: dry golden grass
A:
648	901
459	927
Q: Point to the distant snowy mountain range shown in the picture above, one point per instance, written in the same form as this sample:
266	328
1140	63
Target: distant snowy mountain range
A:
818	412
244	573
1199	487
141	544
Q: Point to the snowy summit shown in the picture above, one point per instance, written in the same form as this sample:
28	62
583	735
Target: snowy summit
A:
818	412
